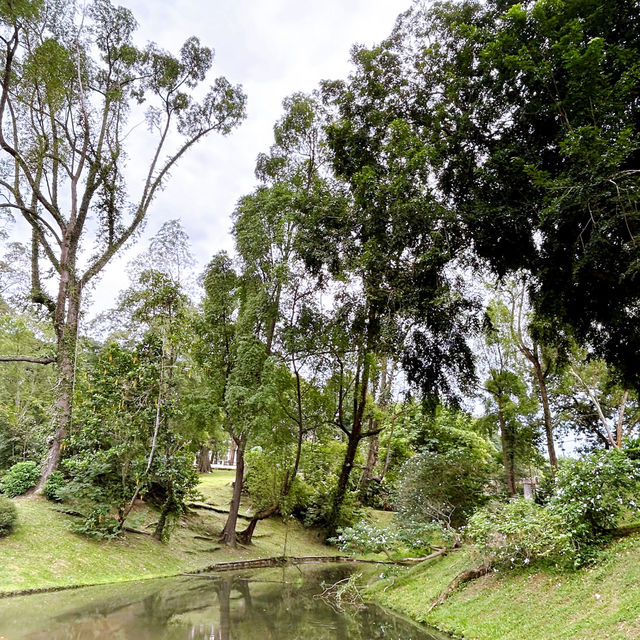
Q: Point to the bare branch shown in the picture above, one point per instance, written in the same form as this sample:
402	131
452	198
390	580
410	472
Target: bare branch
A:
31	359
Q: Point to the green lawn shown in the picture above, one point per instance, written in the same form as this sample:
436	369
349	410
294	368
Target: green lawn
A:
590	604
43	552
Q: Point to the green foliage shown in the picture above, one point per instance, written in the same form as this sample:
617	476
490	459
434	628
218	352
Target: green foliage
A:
632	448
370	538
174	480
447	480
53	486
320	468
25	389
593	494
98	524
19	478
518	533
127	447
8	516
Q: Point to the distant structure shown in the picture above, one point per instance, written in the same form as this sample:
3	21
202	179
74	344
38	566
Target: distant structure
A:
529	486
225	461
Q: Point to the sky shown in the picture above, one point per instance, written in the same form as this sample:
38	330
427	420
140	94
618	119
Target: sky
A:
272	48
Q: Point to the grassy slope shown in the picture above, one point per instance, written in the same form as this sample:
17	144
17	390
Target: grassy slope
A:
589	604
43	552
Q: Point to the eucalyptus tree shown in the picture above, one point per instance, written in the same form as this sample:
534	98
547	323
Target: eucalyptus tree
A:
232	353
70	79
245	306
594	404
544	359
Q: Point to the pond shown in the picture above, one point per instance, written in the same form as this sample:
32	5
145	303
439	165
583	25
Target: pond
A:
274	604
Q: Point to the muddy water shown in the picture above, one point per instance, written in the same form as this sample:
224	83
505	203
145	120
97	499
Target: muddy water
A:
274	604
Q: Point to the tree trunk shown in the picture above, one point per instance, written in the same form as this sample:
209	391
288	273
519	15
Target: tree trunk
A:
229	532
372	460
246	536
204	459
546	411
67	338
343	482
507	453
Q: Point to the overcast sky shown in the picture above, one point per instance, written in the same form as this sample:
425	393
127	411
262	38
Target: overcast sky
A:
273	48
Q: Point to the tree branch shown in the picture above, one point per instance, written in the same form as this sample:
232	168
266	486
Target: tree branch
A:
31	359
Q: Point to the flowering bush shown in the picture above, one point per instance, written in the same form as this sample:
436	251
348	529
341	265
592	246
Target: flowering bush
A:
366	538
593	493
519	533
369	538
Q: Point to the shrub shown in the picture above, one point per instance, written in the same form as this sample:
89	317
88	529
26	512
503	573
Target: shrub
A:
519	533
592	495
366	538
312	499
8	516
19	478
445	486
99	524
369	538
52	487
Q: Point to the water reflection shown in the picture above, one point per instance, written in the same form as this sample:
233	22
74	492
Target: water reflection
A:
271	604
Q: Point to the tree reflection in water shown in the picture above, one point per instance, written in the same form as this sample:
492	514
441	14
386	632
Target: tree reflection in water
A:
274	604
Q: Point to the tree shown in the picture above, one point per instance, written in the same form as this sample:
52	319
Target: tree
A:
391	241
448	478
531	111
591	401
70	78
511	405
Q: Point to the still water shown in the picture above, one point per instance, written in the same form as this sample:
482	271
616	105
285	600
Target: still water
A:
274	604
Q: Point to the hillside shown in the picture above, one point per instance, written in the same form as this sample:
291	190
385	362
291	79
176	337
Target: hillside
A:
44	553
599	602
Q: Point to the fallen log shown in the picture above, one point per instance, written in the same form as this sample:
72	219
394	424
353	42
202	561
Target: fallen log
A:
460	579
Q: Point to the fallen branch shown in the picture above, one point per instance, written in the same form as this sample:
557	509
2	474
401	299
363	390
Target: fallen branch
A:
460	579
31	359
138	531
435	554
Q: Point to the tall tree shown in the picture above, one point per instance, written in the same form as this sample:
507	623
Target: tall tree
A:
535	131
392	242
512	406
69	80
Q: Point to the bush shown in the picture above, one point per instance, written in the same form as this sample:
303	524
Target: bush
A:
8	516
369	538
518	533
366	538
52	487
445	486
316	485
593	494
19	478
99	524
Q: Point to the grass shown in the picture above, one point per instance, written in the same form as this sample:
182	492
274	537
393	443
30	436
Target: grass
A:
43	552
600	602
